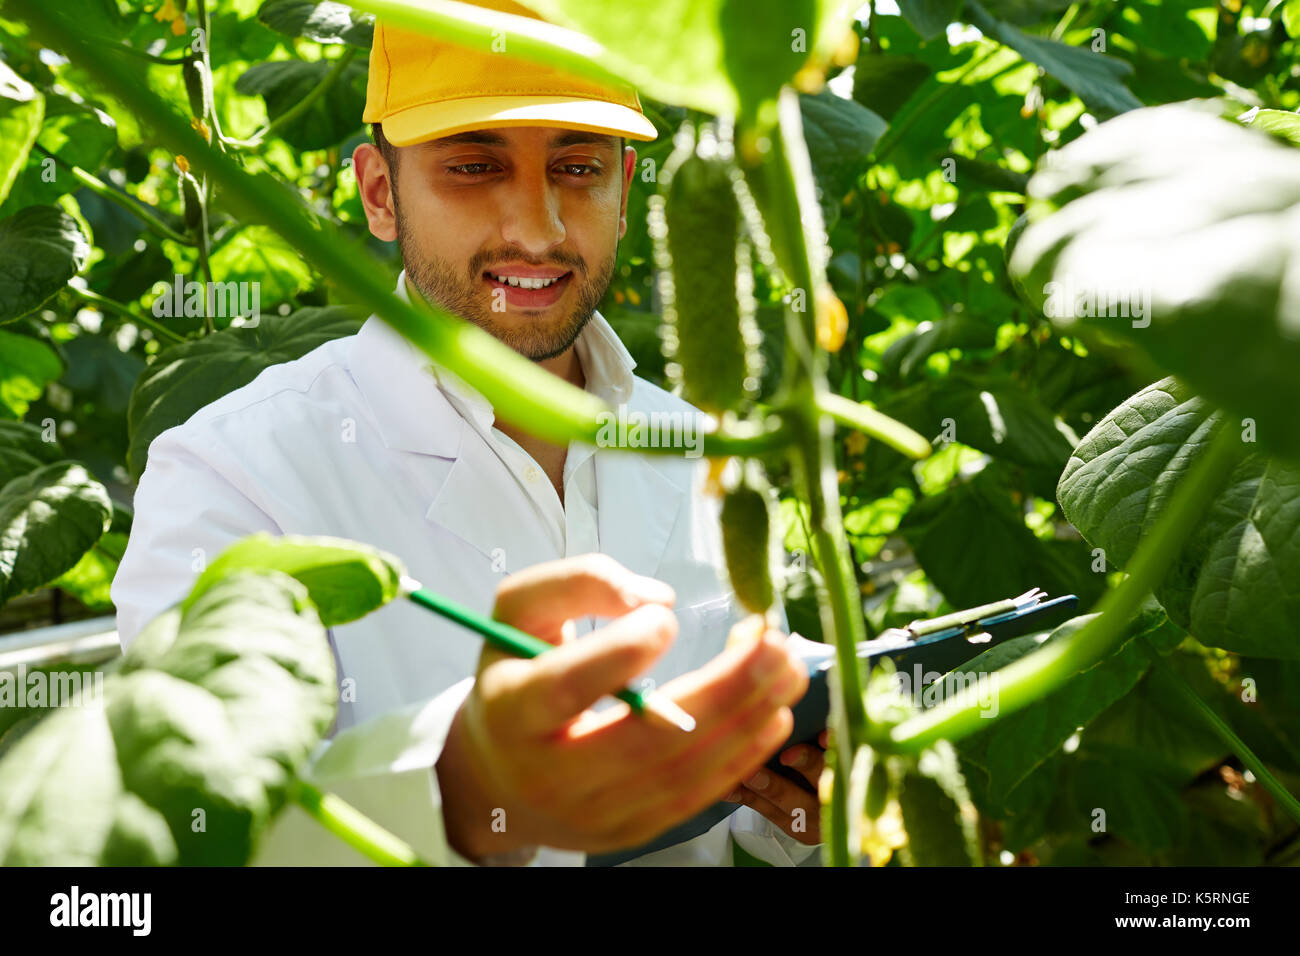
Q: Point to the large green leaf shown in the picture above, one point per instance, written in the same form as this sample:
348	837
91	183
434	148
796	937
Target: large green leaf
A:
21	109
930	17
27	365
41	248
48	520
59	787
1152	209
344	579
23	448
1236	583
260	255
207	721
1095	77
1280	123
713	55
841	133
323	22
883	82
185	377
77	133
1016	745
329	120
973	544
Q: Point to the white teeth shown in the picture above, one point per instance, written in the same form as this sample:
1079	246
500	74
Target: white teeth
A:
523	282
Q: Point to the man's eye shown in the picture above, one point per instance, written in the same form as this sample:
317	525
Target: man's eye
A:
580	169
471	169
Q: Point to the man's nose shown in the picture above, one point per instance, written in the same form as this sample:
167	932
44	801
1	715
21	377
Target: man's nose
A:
531	218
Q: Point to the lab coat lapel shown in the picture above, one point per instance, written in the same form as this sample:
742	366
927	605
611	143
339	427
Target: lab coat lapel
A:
638	506
482	504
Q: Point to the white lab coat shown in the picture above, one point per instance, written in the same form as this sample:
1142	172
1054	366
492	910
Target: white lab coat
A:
362	438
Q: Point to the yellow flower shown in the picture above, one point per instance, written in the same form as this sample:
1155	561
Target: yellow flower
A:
832	320
882	836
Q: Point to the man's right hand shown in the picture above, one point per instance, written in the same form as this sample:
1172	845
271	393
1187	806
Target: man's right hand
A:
526	754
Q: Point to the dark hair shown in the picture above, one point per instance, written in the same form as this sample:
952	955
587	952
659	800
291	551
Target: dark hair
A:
386	148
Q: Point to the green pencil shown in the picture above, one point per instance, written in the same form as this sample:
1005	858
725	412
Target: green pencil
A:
516	642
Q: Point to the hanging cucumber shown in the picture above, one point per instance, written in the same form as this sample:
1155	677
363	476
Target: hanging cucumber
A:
747	540
706	281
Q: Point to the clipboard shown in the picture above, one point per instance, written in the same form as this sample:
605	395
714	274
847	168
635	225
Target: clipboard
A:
936	646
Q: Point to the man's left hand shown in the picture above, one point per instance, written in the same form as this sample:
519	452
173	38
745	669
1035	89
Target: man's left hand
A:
781	800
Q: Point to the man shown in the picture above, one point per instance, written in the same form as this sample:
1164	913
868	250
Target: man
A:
505	186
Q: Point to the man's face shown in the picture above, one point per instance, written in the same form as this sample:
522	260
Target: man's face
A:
514	229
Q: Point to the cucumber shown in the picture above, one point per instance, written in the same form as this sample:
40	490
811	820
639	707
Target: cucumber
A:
747	540
710	335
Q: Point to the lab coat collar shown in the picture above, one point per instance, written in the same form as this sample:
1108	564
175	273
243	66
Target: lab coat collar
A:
397	379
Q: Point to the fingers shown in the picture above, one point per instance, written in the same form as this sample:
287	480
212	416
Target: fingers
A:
801	822
540	599
531	697
807	760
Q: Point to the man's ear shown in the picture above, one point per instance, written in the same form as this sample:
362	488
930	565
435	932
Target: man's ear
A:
375	186
629	168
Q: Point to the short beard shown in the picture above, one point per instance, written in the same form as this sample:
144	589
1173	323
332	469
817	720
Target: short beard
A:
436	280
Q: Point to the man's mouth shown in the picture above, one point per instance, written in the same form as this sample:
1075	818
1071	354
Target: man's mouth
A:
538	290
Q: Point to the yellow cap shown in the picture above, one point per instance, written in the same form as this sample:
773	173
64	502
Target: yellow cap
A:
422	88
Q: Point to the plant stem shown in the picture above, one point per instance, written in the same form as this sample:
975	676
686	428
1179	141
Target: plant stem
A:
304	104
354	828
483	30
788	203
866	419
111	305
1030	678
138	209
1238	746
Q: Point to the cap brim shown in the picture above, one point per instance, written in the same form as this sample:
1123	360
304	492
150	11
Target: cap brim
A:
434	120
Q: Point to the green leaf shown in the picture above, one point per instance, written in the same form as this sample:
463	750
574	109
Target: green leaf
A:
219	707
321	22
344	579
1280	123
1234	584
937	809
185	377
991	176
258	254
23	448
841	135
973	544
712	55
22	108
1151	212
908	354
91	578
1291	17
326	122
1095	77
1016	745
48	519
41	248
930	18
59	787
884	82
27	365
77	133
